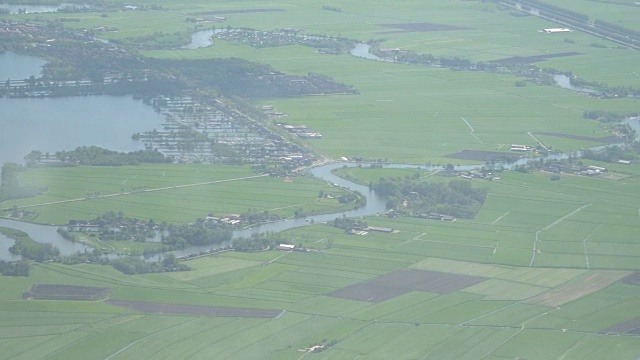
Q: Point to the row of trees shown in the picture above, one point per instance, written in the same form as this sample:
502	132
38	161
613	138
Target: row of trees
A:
135	265
97	156
18	268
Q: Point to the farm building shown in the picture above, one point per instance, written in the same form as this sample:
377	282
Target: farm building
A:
379	229
556	30
286	247
522	148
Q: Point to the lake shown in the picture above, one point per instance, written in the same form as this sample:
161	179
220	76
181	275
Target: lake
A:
53	124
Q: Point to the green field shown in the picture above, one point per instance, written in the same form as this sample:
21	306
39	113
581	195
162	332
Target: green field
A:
172	193
554	260
566	303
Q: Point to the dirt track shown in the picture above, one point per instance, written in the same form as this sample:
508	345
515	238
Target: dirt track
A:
66	292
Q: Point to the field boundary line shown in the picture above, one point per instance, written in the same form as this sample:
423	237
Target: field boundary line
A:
148	336
584	243
498	219
515	334
565	217
416	237
472	130
538	141
535	249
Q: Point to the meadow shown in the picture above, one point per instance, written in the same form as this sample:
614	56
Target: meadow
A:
172	192
575	298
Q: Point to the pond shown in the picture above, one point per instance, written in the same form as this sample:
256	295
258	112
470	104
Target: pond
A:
362	50
202	39
19	67
565	82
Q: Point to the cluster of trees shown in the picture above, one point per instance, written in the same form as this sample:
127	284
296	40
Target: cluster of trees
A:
613	153
29	249
603	116
135	265
94	155
18	268
420	198
286	37
181	236
349	223
253	216
257	242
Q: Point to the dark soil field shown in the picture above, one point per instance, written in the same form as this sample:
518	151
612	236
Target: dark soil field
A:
400	282
66	292
238	11
633	279
181	309
421	27
480	155
604	140
628	327
533	59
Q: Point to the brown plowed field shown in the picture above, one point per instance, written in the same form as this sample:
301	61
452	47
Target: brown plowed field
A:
633	279
533	59
400	282
605	140
182	309
628	327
